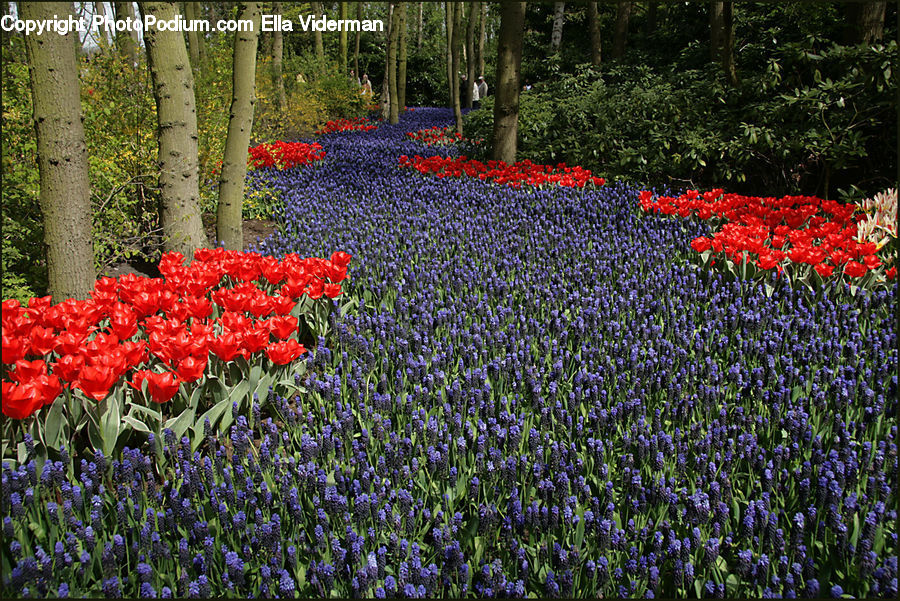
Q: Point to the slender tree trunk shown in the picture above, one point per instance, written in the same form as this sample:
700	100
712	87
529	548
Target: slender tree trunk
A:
173	89
356	41
343	38
278	62
509	61
193	37
474	9
728	44
457	52
716	30
652	17
394	112
401	60
421	25
559	17
450	8
386	83
320	44
229	216
102	39
623	14
482	20
594	30
865	22
65	196
127	42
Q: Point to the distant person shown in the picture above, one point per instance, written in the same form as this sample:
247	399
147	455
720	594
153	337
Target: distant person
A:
462	89
354	78
366	88
476	97
482	88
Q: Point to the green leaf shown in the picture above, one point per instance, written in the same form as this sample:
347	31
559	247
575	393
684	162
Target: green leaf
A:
135	423
180	424
53	425
110	423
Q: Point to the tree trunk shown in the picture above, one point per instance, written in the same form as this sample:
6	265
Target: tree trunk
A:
320	44
65	196
394	111
559	17
474	10
652	10
127	41
728	44
278	62
623	14
594	30
102	39
457	52
421	24
452	82
509	61
401	60
386	80
356	41
343	39
173	90
716	30
481	37
865	22
229	215
193	37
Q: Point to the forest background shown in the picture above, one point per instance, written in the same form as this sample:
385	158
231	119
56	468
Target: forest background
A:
758	98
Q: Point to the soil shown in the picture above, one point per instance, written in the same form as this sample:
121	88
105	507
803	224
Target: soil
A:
255	230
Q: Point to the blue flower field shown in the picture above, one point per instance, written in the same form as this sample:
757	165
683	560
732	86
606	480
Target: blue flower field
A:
536	394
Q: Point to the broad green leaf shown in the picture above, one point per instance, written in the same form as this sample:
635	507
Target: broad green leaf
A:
180	424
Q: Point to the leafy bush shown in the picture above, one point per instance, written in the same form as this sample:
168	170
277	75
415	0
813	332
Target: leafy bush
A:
685	127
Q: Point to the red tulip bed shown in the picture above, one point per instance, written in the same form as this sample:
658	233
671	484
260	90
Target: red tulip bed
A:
439	136
212	323
341	125
796	236
513	175
285	155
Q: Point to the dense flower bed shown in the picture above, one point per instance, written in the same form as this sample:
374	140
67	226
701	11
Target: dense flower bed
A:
774	232
538	396
340	125
521	172
134	323
285	155
439	136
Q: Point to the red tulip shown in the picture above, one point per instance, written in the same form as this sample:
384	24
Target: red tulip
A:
27	371
332	290
226	346
20	401
284	352
42	341
96	380
191	369
282	326
855	270
68	367
13	348
255	340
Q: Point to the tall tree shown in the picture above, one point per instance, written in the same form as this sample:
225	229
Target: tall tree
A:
509	61
102	39
728	43
317	35
386	80
196	42
620	34
482	20
359	17
65	196
420	28
456	55
652	17
126	41
716	29
452	79
393	98
343	38
173	90
229	219
474	10
559	17
401	60
865	22
278	62
594	30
